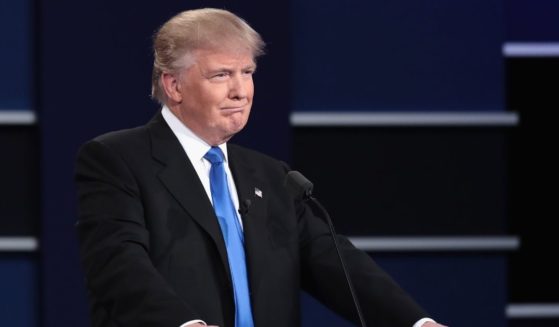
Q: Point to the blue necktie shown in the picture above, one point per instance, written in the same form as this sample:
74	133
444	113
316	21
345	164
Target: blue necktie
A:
233	236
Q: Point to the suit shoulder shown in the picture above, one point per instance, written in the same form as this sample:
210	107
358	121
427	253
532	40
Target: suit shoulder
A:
130	142
121	140
124	137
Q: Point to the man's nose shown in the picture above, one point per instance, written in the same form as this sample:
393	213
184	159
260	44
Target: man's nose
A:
237	87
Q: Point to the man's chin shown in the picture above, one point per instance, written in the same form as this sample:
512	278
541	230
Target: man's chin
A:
230	132
236	125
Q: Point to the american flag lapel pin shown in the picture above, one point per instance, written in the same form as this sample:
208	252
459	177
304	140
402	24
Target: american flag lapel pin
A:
258	192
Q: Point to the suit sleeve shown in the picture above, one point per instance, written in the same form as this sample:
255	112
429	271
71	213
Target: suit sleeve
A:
114	245
382	301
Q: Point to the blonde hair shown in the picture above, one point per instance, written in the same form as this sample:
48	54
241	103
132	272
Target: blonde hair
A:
207	28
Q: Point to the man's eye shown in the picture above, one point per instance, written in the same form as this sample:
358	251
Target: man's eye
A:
220	75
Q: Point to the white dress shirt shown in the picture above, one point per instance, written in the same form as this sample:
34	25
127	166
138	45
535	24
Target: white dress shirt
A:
195	148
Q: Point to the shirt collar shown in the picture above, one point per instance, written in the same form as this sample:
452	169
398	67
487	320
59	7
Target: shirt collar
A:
193	145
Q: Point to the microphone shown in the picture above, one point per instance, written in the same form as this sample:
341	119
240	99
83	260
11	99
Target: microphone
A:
244	206
298	185
301	189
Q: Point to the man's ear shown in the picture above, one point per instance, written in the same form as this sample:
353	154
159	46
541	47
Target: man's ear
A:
171	86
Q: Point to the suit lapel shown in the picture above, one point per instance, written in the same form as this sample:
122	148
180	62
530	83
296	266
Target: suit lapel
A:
180	179
250	187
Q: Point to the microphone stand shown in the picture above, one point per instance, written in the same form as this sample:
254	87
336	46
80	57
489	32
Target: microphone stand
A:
301	188
342	262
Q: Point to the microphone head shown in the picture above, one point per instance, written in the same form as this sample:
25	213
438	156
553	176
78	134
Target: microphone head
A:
298	185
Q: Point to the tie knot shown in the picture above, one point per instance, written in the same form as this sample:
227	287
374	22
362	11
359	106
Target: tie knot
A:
214	155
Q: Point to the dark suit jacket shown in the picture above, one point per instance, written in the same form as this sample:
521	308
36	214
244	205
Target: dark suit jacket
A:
153	254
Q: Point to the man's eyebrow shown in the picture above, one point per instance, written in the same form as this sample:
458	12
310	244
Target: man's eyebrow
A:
220	69
217	70
250	66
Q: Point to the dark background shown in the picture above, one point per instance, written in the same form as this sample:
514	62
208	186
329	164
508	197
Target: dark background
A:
84	68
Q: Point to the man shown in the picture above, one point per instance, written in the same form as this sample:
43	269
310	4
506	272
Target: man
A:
179	228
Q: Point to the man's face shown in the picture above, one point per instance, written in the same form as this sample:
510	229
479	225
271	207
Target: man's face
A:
217	93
